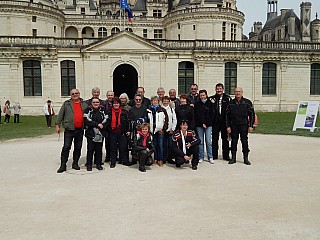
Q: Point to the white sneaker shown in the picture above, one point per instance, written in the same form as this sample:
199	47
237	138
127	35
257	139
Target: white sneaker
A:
211	161
200	160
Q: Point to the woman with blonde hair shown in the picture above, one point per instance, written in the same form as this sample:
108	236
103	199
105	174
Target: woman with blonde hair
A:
124	101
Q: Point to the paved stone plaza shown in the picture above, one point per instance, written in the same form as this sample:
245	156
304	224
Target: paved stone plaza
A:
277	197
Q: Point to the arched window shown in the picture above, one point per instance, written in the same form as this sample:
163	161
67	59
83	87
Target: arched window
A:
315	79
269	79
68	77
32	82
108	13
185	76
230	77
102	32
129	29
115	30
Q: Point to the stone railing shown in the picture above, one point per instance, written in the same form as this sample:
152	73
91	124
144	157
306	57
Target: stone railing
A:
25	4
200	10
20	41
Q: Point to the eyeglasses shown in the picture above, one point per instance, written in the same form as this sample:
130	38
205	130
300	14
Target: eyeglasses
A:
138	100
75	93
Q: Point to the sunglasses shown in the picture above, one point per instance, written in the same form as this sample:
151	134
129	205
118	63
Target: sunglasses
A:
75	93
138	100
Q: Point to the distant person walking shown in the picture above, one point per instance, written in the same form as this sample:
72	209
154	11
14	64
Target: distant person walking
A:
7	112
16	111
48	112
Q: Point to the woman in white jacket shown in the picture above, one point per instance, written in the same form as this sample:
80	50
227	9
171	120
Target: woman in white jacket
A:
172	123
158	119
48	112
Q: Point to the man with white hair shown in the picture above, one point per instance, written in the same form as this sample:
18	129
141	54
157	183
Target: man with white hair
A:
239	121
95	94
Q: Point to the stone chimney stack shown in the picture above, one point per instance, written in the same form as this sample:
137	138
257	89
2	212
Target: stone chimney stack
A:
272	9
305	18
257	27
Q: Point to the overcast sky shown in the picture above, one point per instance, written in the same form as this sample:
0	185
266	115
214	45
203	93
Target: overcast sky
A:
256	10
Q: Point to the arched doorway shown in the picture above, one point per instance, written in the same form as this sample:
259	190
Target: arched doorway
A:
125	80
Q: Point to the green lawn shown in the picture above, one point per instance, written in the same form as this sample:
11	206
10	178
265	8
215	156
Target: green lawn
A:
34	126
29	126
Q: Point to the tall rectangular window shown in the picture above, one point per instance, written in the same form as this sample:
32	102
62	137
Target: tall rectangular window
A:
185	76
68	77
233	31
269	79
83	11
34	18
315	79
145	33
157	33
230	77
34	32
224	30
32	84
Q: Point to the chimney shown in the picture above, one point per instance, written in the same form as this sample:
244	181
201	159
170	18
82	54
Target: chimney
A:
272	9
305	17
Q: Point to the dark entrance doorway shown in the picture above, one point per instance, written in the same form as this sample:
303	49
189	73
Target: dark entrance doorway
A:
125	80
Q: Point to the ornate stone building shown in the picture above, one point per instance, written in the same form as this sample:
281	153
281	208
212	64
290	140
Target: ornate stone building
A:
48	47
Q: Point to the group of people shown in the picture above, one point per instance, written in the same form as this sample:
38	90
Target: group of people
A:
159	130
7	112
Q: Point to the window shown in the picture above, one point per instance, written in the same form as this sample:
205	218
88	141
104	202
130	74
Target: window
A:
269	79
32	84
178	25
157	33
315	79
34	18
279	34
108	13
179	37
145	33
34	32
233	31
83	11
102	32
68	77
129	29
230	77
194	27
185	76
54	29
115	30
224	25
157	13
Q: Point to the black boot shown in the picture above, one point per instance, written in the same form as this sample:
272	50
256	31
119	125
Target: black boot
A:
233	157
89	167
75	165
245	159
99	167
62	168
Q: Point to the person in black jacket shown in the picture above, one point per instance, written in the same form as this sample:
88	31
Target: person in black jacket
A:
185	145
119	130
239	121
221	102
185	112
203	115
145	101
95	121
143	146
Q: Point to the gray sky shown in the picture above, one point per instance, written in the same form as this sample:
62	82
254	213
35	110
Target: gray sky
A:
256	10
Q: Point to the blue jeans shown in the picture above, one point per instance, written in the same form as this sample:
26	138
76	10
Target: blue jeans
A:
158	140
207	133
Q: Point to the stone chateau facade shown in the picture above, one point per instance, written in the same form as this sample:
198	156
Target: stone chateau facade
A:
48	47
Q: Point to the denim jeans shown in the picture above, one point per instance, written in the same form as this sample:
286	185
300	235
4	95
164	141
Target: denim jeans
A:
72	135
158	140
205	133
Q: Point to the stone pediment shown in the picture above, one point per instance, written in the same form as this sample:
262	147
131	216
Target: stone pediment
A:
123	42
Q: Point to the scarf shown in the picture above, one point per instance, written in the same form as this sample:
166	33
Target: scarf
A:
184	149
145	137
154	109
115	113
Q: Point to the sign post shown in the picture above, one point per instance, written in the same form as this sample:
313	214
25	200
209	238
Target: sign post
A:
306	116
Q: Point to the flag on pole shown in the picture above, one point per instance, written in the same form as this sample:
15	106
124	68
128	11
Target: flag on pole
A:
124	4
